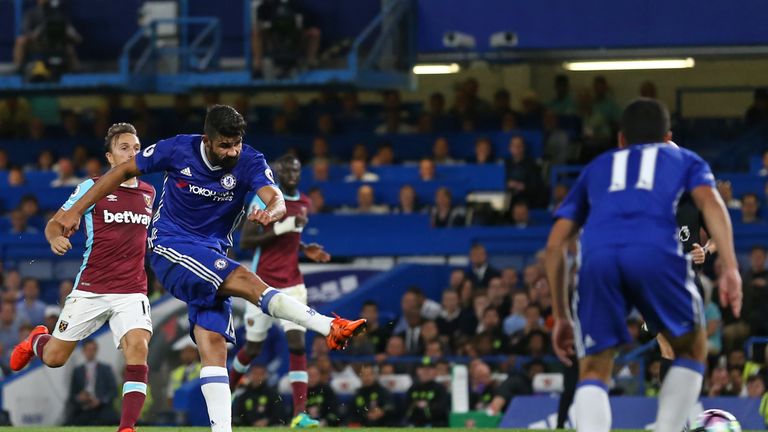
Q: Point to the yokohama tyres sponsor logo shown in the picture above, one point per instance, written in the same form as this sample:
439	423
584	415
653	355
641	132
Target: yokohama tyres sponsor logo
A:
128	217
216	196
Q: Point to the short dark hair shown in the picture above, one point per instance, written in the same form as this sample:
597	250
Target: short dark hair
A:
644	121
286	158
223	120
368	303
758	248
115	130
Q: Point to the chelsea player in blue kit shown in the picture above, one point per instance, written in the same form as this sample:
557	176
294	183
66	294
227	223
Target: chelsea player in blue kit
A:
206	181
625	202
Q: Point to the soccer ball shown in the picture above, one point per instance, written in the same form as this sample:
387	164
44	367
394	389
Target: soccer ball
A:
715	420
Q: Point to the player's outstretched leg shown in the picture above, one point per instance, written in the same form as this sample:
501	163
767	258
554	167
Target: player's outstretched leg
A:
682	384
245	284
32	345
135	346
591	405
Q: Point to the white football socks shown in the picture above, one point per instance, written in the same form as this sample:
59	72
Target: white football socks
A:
218	397
279	305
592	410
680	390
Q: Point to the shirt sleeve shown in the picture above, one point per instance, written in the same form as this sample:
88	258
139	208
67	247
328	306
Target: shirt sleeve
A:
78	193
575	206
261	173
256	203
699	173
157	157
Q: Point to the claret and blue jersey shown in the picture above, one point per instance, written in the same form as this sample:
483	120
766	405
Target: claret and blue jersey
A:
631	257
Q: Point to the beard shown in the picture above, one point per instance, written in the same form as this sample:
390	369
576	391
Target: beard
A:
227	162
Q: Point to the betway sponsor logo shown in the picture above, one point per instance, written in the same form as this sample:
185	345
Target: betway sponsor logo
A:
205	192
128	217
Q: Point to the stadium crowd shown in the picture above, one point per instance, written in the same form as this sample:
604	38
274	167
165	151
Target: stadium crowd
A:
498	319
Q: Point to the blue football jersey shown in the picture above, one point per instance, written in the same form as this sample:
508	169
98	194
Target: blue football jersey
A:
201	203
629	196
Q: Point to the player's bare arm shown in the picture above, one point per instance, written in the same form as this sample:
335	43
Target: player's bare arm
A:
562	336
719	224
108	183
256	235
53	229
275	209
315	252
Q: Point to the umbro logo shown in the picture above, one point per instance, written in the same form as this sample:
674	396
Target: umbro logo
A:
112	198
187	172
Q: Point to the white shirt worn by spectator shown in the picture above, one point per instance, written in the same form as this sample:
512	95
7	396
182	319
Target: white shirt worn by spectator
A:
72	181
366	177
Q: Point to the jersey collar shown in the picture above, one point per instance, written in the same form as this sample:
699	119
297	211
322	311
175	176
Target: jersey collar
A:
292	197
205	158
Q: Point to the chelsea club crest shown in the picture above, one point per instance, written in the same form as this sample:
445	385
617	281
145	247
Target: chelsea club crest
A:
228	181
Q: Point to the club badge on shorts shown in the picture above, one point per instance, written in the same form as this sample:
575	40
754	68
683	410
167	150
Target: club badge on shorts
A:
220	264
228	182
63	326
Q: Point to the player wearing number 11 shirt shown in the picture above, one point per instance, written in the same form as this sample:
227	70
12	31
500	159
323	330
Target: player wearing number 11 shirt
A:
624	202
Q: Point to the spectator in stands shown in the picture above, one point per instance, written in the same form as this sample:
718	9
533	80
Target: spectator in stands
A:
452	317
456	279
563	103
71	126
441	119
15	116
52	313
719	383
648	89
750	206
30	308
427	170
318	201
409	325
502	104
480	272
557	145
441	152
66	174
757	114
394	124
92	391
407	201
429	333
395	347
714	321
483	152
756	288
358	172
517	318
444	213
321	150
374	340
755	386
12	281
509	278
490	327
16	176
259	405
531	112
321	170
424	124
764	170
523	175
188	369
427	401
360	151
93	168
322	403
499	296
385	155
597	129
9	325
482	387
45	161
46	31
726	192
520	215
366	203
20	223
374	405
285	33
604	103
477	105
80	156
509	122
30	207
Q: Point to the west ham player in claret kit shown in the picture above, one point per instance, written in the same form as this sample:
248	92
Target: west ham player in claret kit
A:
207	179
276	261
111	285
